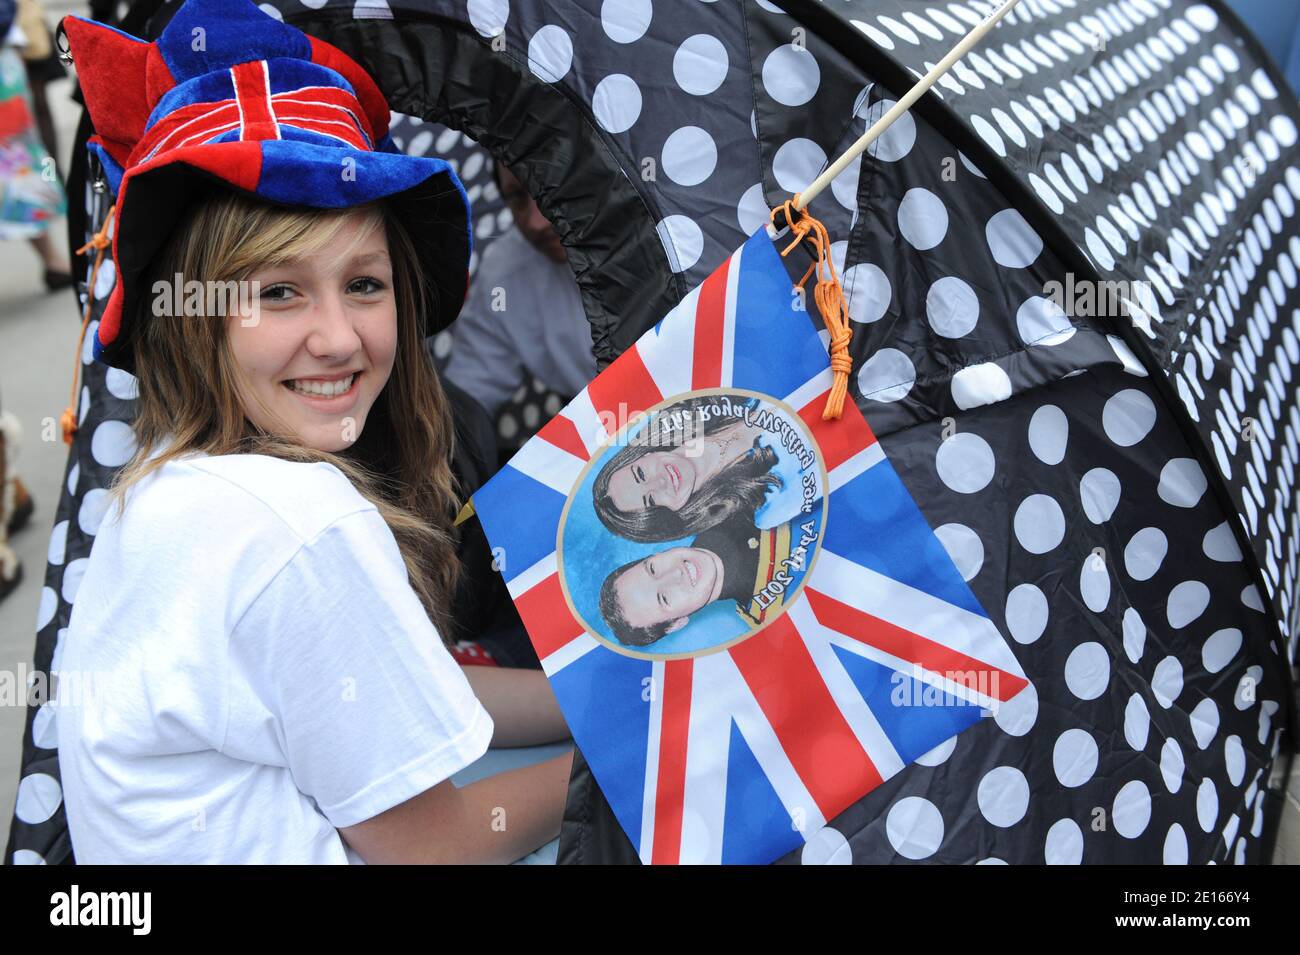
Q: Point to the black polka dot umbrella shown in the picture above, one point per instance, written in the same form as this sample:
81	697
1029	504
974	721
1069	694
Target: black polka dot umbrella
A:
1071	269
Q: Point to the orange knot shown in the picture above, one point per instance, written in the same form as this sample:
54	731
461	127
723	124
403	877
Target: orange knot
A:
100	242
829	295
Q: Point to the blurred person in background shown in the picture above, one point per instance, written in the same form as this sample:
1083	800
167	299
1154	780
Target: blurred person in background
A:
31	197
524	316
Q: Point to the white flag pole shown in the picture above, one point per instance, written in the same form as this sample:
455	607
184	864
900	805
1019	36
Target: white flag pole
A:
912	95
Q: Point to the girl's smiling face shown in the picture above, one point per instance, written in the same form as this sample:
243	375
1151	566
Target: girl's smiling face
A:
321	344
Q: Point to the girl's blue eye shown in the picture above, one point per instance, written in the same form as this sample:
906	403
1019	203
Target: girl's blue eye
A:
366	286
276	293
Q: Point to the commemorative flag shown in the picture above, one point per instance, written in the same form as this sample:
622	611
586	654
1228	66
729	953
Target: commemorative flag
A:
744	615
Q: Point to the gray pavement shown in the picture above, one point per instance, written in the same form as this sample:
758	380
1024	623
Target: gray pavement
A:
38	342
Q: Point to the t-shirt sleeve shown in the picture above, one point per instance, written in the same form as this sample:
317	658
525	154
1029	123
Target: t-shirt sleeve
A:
367	705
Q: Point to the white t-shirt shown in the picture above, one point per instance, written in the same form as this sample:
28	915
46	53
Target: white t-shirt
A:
247	670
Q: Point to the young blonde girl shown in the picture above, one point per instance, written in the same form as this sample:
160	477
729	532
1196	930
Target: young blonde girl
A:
262	608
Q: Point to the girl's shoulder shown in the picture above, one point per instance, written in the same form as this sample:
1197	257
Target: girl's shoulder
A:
305	497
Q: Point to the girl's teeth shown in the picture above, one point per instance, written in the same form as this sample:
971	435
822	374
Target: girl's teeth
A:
325	389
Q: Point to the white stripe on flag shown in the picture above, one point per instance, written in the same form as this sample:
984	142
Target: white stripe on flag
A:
956	689
584	417
871	736
913	610
544	462
667	354
704	804
818	384
729	319
530	578
766	746
646	848
572	651
855	466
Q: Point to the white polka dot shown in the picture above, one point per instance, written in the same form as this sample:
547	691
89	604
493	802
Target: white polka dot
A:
1182	482
896	141
1026	613
1204	720
1250	597
616	103
72	576
1003	796
45	730
1087	670
121	384
1247	686
1187	601
1132	809
827	846
1167	681
700	64
797	163
1094	583
625	21
1202	17
1040	321
113	443
1220	648
914	827
94	505
791	75
689	156
952	307
1128	417
973	169
1135	635
1016	716
1048	431
886	376
1172	765
1145	552
978	385
868	291
683	241
1074	757
990	135
1234	757
57	550
1099	491
550	54
1220	544
1039	523
73	474
1137	722
965	462
1207	805
1011	240
922	218
1175	848
1064	843
39	797
46	609
488	17
963	546
31	856
939	755
752	212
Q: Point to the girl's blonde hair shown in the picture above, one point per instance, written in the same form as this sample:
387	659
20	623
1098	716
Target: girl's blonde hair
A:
189	383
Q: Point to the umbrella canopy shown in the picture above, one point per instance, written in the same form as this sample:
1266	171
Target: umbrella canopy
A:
1116	487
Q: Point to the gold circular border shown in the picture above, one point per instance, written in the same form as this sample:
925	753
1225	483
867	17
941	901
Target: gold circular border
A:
605	445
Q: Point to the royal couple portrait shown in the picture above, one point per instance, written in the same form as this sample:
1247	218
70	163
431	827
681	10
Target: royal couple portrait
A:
730	486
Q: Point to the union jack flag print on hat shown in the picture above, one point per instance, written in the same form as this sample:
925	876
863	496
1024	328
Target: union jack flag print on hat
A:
231	97
739	671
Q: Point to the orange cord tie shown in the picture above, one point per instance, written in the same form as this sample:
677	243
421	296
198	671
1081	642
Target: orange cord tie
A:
829	296
99	241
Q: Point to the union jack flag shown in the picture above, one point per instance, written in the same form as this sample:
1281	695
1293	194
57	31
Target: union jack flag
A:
742	753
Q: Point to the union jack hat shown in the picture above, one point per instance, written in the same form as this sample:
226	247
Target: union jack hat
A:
231	97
